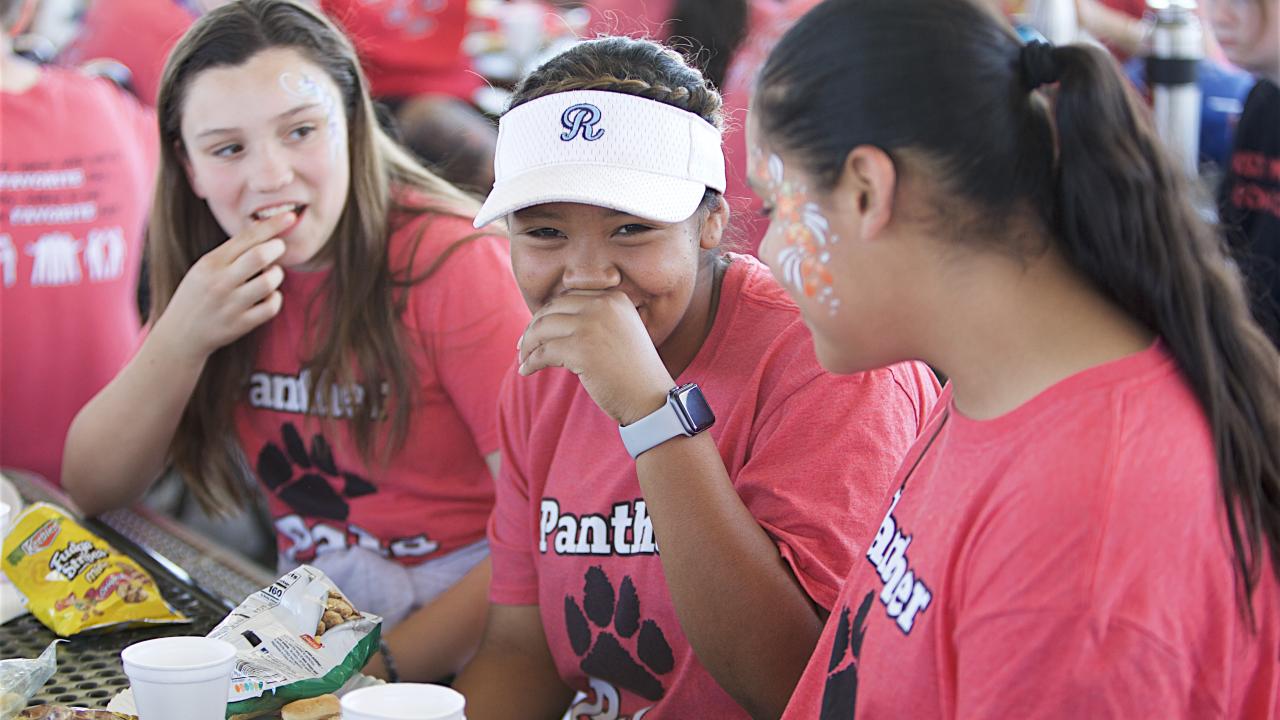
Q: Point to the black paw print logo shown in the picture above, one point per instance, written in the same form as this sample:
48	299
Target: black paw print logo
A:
321	490
607	658
841	691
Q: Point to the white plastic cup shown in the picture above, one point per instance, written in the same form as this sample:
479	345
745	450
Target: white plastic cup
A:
404	701
180	677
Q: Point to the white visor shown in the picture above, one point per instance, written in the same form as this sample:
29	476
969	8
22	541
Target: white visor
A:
623	152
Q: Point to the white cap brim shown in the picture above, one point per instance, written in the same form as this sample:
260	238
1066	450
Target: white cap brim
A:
613	150
649	196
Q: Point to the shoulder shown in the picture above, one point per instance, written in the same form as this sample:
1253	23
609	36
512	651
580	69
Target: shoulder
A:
426	241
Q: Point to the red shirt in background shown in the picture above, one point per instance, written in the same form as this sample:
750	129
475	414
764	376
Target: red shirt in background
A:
811	455
636	18
435	495
137	33
1069	559
768	22
76	177
409	47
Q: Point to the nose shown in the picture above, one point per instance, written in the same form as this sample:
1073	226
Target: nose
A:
589	266
272	169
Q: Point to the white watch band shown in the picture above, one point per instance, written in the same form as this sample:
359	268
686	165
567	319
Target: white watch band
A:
652	430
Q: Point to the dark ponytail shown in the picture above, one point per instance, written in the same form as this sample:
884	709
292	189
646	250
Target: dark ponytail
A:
948	81
1127	219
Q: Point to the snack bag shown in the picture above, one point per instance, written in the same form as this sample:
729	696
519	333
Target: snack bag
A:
297	638
73	580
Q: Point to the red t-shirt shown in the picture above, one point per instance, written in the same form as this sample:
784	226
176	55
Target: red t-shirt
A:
768	22
1066	560
810	453
137	33
409	47
76	177
461	326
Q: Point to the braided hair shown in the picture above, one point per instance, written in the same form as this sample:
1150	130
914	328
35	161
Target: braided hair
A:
631	66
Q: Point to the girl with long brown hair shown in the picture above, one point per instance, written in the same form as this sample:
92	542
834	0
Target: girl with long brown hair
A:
1089	526
324	314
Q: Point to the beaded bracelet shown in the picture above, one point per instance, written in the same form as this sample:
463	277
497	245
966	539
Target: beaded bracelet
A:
388	661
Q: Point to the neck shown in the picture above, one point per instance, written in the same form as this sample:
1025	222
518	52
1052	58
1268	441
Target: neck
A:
1010	328
678	351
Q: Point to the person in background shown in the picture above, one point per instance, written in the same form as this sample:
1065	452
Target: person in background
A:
1089	526
77	166
324	313
136	33
611	179
1249	198
411	51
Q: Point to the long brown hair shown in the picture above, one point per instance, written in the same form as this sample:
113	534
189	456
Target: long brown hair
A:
949	81
360	338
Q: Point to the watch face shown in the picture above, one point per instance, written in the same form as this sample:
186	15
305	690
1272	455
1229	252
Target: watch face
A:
696	408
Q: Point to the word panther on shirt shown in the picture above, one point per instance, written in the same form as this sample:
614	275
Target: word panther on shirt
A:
904	595
628	531
294	394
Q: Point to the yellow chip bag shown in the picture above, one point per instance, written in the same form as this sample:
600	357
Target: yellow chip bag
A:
74	581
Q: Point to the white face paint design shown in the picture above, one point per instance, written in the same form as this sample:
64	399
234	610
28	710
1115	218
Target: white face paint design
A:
800	231
301	85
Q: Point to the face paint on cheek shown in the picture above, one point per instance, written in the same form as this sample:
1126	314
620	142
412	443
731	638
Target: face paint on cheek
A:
804	234
300	85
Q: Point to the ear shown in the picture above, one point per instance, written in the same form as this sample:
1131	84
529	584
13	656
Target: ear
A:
181	152
866	187
713	225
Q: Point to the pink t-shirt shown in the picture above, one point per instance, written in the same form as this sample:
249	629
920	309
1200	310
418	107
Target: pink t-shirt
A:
77	167
768	21
1066	560
411	47
461	326
810	453
636	18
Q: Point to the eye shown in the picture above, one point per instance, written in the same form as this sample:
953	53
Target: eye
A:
633	229
302	131
226	151
542	233
766	211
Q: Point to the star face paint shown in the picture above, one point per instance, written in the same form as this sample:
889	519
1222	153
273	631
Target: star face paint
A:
303	87
801	231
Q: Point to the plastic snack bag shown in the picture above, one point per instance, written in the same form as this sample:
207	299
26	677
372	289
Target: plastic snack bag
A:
297	638
21	678
74	581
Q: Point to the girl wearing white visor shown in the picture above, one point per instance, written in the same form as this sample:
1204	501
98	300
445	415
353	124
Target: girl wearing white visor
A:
666	394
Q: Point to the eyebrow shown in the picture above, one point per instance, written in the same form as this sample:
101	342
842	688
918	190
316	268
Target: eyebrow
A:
282	116
536	213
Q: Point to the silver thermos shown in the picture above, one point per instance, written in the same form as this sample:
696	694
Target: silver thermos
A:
1174	53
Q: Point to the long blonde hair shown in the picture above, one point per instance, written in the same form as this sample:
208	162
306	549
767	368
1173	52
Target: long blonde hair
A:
360	337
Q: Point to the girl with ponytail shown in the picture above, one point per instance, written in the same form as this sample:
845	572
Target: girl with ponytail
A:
1089	525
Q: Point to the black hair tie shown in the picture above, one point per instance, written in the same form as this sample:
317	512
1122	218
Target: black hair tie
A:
1038	64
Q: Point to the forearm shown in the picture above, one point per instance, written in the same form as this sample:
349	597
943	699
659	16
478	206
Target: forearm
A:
440	637
512	676
710	540
118	443
1111	26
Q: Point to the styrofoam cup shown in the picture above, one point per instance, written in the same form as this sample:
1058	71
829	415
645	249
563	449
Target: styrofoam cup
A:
404	701
180	677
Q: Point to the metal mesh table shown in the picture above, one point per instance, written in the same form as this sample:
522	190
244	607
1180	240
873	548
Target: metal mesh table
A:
197	578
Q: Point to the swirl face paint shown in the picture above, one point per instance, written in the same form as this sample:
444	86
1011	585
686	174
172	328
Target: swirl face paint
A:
799	230
303	87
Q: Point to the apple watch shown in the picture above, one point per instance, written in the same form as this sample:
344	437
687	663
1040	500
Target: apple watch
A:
686	413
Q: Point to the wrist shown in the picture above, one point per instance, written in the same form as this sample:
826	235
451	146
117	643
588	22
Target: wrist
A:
644	405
